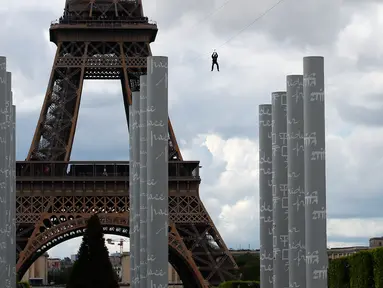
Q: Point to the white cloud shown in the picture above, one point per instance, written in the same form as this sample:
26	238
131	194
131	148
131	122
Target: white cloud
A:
232	197
237	184
355	228
335	244
214	114
352	40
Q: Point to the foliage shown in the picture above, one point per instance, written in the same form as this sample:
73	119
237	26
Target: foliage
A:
377	255
249	266
23	285
81	265
361	270
240	284
93	268
60	277
339	273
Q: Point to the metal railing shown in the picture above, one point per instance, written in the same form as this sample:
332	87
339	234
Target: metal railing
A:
103	22
91	169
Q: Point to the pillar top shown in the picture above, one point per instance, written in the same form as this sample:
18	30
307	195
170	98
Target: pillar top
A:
313	57
3	62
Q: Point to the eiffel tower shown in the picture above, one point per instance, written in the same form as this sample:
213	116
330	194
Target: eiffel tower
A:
105	39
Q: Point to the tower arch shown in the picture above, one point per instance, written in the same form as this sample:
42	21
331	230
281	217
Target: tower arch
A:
115	224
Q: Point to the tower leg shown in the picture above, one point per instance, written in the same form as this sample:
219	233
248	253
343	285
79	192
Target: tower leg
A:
280	195
54	134
315	172
143	181
157	173
265	196
296	181
136	184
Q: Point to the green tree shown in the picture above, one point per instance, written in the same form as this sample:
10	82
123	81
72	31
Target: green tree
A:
80	269
248	265
93	268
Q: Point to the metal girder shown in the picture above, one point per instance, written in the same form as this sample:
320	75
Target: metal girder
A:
47	218
51	230
74	62
104	40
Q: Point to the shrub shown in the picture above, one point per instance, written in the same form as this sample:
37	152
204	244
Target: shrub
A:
240	284
361	270
377	255
248	266
339	273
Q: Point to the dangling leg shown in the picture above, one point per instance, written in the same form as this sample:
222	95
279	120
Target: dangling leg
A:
212	66
217	66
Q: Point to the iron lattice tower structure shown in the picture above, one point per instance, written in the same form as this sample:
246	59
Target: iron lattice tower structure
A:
105	39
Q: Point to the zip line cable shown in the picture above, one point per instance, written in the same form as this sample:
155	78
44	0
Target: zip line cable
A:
248	26
209	15
252	23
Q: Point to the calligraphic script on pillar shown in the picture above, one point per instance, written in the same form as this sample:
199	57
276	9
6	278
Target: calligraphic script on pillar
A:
105	39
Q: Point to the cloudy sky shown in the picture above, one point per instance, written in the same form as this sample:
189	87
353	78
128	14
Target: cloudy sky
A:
214	114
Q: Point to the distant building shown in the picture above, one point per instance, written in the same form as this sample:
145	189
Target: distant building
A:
39	269
66	263
73	257
334	253
125	273
116	261
54	264
376	242
240	252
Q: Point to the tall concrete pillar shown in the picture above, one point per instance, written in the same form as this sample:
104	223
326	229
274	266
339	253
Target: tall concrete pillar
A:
315	172
296	181
11	196
280	195
13	199
157	172
265	196
4	195
143	181
131	199
136	185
